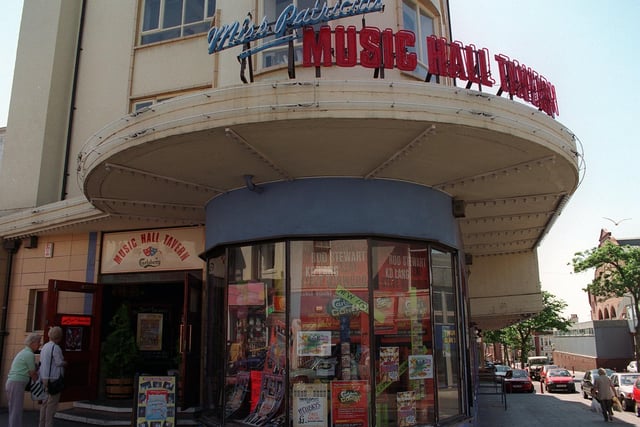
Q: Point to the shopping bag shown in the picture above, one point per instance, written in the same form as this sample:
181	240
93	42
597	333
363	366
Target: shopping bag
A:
616	404
37	390
595	405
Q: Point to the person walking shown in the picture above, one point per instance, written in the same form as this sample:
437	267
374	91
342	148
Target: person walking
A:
603	391
23	368
51	368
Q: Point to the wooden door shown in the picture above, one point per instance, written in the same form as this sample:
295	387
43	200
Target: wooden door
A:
75	306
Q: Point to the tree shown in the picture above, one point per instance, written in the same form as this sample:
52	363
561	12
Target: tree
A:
617	274
497	337
519	335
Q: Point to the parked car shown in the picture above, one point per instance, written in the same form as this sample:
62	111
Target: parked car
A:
501	371
559	380
587	381
632	366
535	364
623	383
545	369
518	380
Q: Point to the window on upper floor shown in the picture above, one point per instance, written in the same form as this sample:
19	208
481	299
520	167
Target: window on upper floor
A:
141	104
278	55
171	19
417	19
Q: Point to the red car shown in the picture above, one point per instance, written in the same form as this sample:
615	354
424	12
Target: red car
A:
518	380
559	380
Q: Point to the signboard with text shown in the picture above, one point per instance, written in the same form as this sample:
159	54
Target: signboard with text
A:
371	47
155	401
152	250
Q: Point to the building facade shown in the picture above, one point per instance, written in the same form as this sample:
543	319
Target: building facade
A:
594	344
307	208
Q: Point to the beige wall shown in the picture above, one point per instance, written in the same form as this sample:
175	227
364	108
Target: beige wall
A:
515	290
31	270
112	73
32	167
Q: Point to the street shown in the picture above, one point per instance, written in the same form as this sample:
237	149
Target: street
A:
538	409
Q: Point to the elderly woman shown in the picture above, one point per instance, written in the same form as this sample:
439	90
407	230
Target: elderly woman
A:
51	368
22	369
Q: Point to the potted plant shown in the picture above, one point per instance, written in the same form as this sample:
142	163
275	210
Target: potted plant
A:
119	355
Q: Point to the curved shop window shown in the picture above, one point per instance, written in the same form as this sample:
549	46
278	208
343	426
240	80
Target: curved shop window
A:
334	332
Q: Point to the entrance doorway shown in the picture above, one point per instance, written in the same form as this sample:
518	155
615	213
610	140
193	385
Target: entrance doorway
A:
164	311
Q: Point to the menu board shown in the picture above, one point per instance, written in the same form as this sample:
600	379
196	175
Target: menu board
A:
155	401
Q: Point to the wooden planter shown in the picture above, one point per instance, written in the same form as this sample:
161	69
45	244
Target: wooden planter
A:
119	388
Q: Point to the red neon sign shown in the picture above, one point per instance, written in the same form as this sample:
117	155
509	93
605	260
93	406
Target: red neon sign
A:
458	61
379	48
75	321
386	49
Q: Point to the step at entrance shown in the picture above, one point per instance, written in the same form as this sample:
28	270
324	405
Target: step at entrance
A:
115	413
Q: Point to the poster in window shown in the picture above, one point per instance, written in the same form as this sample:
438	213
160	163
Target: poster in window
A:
149	336
406	401
389	364
314	343
247	294
349	403
420	367
310	405
73	339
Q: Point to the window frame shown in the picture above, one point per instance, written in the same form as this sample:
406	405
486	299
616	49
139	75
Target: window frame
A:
291	274
419	10
280	53
160	33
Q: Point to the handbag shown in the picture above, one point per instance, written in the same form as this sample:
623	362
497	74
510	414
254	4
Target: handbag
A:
56	386
617	406
37	390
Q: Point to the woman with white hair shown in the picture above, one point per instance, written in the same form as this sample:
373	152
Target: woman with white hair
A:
51	368
22	369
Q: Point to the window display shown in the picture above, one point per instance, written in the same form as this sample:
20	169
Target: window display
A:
341	334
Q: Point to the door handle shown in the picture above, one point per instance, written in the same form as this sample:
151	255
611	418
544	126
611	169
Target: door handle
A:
181	339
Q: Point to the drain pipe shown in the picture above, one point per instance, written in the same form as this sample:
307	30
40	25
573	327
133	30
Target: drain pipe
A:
11	247
72	106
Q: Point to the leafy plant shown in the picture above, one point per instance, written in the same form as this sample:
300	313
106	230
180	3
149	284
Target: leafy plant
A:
120	351
617	273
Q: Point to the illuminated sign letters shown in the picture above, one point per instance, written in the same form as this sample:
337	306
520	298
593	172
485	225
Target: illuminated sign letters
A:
374	48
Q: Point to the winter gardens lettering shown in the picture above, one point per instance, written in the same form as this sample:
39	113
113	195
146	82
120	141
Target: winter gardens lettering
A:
374	48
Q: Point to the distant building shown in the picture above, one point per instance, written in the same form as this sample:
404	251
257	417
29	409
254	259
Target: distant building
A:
594	344
614	307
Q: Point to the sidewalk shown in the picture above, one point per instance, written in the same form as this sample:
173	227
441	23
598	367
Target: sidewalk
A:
30	418
537	409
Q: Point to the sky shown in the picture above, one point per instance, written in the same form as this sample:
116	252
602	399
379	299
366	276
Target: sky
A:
588	49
